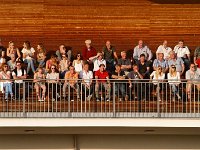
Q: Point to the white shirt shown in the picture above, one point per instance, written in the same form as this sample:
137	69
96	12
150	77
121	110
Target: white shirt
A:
28	52
86	76
97	63
153	74
19	73
5	77
78	67
174	80
52	76
181	52
164	50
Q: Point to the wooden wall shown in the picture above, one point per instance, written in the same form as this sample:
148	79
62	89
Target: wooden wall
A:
54	22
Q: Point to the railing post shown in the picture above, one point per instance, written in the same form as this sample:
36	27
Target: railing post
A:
114	110
24	95
158	99
68	99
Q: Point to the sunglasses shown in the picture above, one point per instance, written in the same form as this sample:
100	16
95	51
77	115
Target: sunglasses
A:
53	68
159	68
173	67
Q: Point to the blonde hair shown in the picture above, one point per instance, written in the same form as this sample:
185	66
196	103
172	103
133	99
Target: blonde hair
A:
172	72
157	74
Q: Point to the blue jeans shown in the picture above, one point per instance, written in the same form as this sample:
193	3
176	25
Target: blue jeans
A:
41	63
120	88
174	88
30	65
8	89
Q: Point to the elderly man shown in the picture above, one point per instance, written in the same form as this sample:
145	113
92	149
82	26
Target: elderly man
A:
176	61
110	56
160	62
164	49
142	49
88	51
184	53
125	63
193	77
97	60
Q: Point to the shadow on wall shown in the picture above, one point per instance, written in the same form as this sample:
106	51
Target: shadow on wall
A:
176	1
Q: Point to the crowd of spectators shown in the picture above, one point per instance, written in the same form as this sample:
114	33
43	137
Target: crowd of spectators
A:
172	64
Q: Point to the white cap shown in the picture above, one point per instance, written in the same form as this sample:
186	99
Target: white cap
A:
88	41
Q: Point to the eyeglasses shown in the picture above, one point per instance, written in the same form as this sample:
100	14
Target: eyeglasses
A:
173	67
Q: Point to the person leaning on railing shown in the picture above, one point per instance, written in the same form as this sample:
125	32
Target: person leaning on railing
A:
193	77
19	74
135	84
39	79
86	82
157	78
53	82
7	85
102	81
71	81
174	80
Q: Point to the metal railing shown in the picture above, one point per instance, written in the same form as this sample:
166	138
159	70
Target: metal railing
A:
142	99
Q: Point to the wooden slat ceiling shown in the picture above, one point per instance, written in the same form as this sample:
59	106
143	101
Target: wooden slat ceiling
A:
54	22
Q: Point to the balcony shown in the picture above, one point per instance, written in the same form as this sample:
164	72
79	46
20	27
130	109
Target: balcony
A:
142	100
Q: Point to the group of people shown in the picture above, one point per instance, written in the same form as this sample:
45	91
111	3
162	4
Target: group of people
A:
101	66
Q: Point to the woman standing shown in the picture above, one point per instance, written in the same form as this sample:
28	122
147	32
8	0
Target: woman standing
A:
39	79
28	54
174	80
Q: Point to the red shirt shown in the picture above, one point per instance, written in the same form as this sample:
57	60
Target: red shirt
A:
101	75
198	62
88	53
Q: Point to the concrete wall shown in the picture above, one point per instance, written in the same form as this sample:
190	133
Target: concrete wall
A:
99	142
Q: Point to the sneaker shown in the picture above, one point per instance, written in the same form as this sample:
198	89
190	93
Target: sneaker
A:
41	100
89	97
97	99
6	99
107	99
53	99
58	95
72	100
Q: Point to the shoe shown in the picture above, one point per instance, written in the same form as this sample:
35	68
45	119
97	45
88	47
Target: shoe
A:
97	99
107	99
6	99
89	97
41	100
72	100
53	99
58	95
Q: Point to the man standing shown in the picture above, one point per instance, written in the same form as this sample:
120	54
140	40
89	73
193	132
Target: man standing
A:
110	56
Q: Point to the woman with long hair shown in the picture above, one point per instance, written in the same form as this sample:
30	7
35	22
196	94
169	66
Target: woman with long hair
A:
157	78
53	82
5	74
41	55
39	79
28	54
12	50
174	80
78	63
52	61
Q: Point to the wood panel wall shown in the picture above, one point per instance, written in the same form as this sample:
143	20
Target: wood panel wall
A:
124	22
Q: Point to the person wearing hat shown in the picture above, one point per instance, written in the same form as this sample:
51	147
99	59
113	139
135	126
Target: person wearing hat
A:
88	51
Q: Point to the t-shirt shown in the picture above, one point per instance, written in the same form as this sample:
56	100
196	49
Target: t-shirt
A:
86	76
73	77
108	54
5	77
181	51
164	50
124	62
101	75
153	74
178	63
118	74
11	65
97	63
133	75
28	52
143	67
52	76
175	79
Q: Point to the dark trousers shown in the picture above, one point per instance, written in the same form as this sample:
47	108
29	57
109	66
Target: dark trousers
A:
18	92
